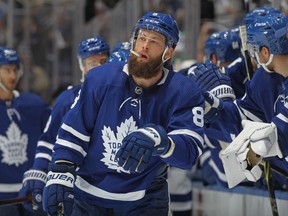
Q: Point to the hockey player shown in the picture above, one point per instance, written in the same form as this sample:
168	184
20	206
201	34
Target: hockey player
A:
119	56
124	46
223	47
224	50
268	43
23	118
128	123
264	88
92	52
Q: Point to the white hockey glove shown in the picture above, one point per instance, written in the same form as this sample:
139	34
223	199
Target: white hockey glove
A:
242	157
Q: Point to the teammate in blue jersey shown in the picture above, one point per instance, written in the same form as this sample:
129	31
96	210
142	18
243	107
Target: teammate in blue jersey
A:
236	67
251	106
129	122
259	102
23	119
224	50
267	42
92	52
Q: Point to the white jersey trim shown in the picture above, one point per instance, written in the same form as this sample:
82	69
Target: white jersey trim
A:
75	133
189	133
10	188
44	155
208	143
95	191
45	144
282	117
71	145
246	114
221	175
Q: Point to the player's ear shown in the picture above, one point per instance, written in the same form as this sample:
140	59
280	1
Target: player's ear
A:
169	53
265	51
214	58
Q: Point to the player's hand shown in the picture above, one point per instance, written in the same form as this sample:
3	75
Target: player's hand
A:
58	195
213	105
138	146
33	184
210	77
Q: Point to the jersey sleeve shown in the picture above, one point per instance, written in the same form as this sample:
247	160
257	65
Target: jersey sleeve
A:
74	133
48	138
185	127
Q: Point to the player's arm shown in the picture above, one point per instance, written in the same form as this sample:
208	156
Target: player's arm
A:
69	151
35	178
216	87
179	144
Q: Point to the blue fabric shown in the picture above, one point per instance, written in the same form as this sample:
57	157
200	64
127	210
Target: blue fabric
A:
155	202
138	147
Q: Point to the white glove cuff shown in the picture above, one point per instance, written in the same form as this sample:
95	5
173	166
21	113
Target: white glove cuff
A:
67	179
223	91
35	175
171	150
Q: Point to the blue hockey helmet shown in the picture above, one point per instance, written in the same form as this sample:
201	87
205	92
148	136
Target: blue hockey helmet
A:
121	46
225	45
252	15
161	23
270	31
92	46
9	56
119	56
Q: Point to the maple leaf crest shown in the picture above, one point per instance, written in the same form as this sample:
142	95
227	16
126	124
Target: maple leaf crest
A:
112	142
14	146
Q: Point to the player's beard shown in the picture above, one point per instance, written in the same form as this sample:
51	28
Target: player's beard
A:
144	70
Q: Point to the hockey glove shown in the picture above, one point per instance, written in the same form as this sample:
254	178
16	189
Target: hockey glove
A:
242	157
33	183
210	77
58	195
264	139
213	105
138	146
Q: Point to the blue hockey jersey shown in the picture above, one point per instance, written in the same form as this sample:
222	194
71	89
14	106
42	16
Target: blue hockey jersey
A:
238	75
257	105
22	122
48	138
109	107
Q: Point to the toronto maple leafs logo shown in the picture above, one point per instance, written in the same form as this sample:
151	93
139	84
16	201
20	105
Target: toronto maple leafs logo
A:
284	100
112	142
14	146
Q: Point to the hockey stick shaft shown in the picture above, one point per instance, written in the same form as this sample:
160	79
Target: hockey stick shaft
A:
247	6
248	63
268	176
16	200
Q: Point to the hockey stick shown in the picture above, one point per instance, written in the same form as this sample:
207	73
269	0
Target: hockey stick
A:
270	186
246	5
16	200
276	170
248	63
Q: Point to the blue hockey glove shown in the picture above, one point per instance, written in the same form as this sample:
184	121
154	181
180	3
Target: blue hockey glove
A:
210	77
58	195
33	183
138	146
213	105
